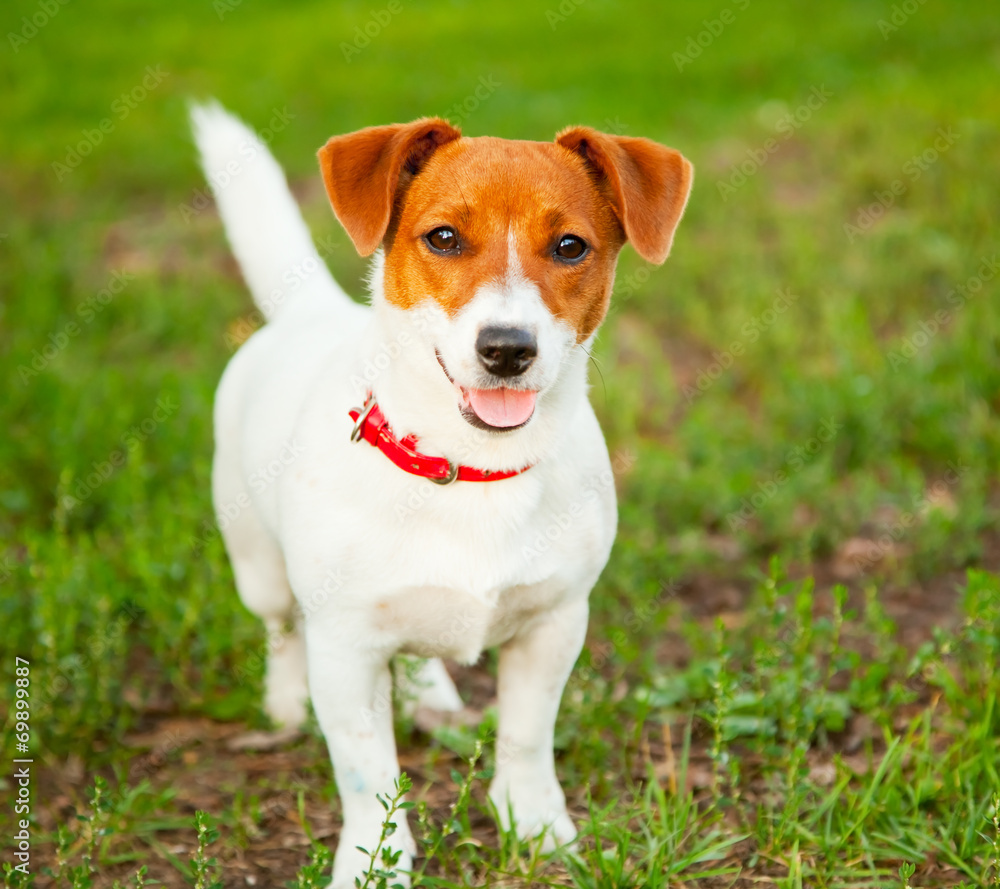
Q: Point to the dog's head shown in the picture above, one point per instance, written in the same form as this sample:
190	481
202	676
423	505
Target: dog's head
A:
506	249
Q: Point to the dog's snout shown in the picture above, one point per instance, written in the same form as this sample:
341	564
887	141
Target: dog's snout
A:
506	351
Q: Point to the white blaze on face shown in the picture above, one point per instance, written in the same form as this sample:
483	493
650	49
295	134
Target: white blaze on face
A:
510	299
514	274
506	299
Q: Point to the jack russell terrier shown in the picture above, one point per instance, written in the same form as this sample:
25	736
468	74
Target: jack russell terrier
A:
383	473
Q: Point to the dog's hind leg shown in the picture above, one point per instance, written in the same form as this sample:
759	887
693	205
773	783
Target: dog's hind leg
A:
262	583
428	694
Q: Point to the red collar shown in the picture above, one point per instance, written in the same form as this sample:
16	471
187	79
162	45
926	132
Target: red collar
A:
371	425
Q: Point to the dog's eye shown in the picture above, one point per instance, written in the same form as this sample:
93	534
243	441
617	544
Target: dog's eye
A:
571	248
442	240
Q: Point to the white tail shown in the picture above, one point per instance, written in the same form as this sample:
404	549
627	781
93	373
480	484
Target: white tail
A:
261	218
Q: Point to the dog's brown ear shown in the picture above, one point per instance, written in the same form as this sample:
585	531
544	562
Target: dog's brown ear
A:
362	171
647	183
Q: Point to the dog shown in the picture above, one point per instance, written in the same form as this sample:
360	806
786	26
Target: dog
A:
425	474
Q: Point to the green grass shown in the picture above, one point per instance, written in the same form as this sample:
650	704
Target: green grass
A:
731	719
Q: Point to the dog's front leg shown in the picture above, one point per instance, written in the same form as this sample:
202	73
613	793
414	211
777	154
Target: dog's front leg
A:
534	667
351	691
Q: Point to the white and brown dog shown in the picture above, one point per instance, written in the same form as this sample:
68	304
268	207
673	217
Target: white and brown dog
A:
384	475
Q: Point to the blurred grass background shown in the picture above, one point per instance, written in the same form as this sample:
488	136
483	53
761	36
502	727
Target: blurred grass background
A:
911	409
700	454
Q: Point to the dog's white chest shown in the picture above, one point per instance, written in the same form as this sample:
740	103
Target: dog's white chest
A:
442	622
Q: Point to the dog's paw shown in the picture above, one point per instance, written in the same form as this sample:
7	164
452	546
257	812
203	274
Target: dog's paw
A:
428	721
262	740
555	830
350	862
538	811
286	697
286	710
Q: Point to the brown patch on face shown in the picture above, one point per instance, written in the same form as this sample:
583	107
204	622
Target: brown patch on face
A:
365	172
486	190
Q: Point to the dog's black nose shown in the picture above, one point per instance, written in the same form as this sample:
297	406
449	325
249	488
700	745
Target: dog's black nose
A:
506	351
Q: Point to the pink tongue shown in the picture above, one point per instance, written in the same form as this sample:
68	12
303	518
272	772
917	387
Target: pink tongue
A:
502	407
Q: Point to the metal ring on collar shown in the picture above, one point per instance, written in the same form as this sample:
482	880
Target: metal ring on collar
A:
450	477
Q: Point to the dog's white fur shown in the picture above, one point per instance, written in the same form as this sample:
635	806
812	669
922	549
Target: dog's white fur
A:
379	561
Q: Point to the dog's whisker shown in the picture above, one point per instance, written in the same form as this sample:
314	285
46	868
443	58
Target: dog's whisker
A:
593	360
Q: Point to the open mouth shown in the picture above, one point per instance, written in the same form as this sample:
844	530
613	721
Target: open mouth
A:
502	409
